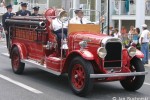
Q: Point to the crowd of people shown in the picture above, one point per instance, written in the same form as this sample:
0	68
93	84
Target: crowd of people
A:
135	37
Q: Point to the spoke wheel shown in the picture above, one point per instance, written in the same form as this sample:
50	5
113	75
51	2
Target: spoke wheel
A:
79	76
17	65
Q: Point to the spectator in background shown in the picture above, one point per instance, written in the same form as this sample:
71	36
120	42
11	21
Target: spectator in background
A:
111	31
144	41
2	3
123	30
116	33
124	36
135	36
131	31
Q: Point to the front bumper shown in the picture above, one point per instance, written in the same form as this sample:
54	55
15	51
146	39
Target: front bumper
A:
117	75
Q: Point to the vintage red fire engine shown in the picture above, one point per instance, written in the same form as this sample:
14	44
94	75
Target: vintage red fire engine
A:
87	56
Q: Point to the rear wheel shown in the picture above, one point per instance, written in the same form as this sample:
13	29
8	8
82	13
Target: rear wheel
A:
17	65
79	76
134	83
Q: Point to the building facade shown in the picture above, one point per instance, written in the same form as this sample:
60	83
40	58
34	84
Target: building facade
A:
122	12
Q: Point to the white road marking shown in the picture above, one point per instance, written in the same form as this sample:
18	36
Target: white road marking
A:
3	46
5	54
20	84
147	84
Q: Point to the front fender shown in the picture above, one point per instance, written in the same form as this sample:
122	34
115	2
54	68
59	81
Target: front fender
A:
139	54
84	53
22	49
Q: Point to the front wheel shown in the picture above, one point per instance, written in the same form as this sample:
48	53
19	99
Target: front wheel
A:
79	76
17	65
135	82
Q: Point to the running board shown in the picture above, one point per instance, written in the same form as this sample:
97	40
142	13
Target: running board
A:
117	75
42	67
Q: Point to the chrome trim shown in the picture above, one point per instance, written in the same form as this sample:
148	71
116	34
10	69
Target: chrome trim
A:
42	67
110	39
117	75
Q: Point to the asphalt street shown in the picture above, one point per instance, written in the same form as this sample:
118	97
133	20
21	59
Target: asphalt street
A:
36	84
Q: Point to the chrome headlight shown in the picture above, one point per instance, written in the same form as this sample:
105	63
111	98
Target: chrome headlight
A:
132	51
101	52
83	44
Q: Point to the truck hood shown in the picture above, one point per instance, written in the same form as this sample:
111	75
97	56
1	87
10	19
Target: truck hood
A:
91	38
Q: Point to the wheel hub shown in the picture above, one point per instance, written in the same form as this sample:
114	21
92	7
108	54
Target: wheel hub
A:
78	76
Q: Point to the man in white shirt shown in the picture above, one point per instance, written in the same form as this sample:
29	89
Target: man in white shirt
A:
57	26
79	19
144	41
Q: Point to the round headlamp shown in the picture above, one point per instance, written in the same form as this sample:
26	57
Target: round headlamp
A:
101	52
132	51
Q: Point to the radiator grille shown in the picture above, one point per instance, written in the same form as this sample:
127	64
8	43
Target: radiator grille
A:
114	54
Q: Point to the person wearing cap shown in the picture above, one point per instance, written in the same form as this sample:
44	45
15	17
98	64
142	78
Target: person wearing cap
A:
23	11
36	11
144	41
7	15
57	26
79	18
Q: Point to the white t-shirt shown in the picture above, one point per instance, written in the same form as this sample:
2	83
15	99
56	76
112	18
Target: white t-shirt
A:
77	20
57	24
117	35
144	35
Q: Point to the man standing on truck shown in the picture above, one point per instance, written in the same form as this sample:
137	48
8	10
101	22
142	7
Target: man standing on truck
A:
23	11
36	11
7	15
79	19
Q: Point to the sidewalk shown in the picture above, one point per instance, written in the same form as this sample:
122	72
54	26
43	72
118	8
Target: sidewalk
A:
148	65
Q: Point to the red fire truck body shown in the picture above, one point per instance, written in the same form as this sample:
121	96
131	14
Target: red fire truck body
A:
91	56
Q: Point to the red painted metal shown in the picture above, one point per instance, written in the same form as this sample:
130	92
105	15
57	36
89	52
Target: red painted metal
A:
22	49
78	77
139	54
84	53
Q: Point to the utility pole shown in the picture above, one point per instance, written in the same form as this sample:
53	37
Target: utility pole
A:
108	16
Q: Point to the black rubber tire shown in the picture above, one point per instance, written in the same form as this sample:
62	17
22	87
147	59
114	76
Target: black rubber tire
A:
88	69
21	65
132	85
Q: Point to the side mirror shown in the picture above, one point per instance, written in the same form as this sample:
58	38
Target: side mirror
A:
63	16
